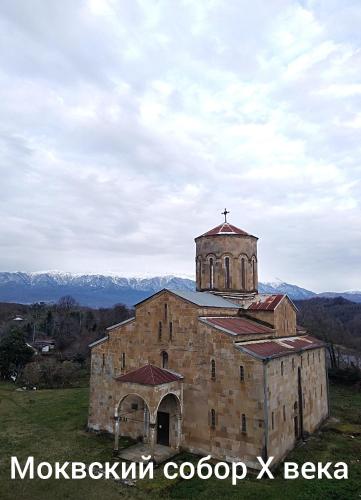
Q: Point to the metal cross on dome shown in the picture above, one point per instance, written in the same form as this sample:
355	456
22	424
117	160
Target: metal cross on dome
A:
225	215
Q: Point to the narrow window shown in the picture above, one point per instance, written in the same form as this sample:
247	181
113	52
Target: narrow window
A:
227	277
254	274
165	312
123	360
244	423
241	373
319	356
170	330
213	369
308	359
103	362
211	273
284	413
213	418
301	361
293	363
199	271
282	368
273	420
313	357
160	330
243	274
164	360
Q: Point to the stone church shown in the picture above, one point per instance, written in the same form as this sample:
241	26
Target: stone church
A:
221	371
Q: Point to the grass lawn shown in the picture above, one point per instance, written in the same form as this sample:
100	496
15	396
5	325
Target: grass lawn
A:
51	426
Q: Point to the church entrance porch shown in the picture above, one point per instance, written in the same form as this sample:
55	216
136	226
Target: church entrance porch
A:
149	409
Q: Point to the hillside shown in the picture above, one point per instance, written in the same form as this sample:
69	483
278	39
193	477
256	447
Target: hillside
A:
336	320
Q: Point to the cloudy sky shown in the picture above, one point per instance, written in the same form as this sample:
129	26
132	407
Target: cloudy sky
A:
127	126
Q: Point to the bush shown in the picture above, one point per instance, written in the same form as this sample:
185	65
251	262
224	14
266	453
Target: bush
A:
32	374
51	374
347	376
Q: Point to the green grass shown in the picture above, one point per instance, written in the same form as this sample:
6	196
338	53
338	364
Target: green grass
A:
51	426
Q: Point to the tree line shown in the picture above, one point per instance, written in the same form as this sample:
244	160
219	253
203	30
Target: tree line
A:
69	326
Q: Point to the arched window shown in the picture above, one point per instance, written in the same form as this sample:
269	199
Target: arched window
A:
281	367
123	360
241	373
165	312
160	330
213	369
211	273
243	273
170	330
227	272
164	359
213	418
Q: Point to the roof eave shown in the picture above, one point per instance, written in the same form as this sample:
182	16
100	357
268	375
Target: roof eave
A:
97	342
129	320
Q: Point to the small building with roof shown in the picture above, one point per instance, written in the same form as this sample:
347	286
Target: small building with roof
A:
221	371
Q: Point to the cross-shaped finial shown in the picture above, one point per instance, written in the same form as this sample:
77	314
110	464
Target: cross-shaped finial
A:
225	214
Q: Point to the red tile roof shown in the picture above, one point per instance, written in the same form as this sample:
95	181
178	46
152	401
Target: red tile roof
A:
266	302
238	326
225	228
149	375
281	346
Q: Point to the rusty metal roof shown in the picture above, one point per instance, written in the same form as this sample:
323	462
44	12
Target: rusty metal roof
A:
150	375
277	347
226	229
237	326
266	302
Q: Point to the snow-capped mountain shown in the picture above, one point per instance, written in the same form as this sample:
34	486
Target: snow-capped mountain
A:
97	290
293	291
94	290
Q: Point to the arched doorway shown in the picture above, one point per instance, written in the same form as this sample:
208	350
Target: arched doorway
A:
169	418
133	414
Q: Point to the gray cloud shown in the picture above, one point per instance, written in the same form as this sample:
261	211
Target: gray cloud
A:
125	127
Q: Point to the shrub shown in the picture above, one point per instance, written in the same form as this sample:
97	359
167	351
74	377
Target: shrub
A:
51	374
347	376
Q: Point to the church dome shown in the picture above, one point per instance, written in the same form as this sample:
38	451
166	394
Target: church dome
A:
226	260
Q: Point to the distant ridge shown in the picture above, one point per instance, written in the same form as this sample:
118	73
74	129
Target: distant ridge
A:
98	290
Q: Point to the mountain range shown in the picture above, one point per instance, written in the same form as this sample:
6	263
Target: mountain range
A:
97	290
